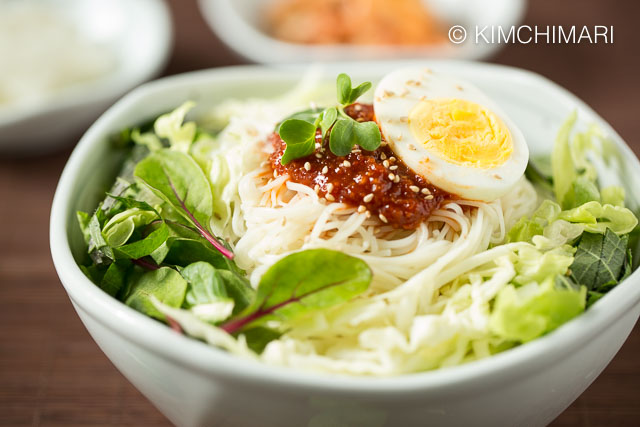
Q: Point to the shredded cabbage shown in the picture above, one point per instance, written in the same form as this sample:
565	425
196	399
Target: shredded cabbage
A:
475	279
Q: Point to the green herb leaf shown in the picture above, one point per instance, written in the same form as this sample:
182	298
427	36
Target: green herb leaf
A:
83	220
130	203
328	118
302	282
177	178
310	115
599	259
367	135
299	136
238	288
358	91
258	337
343	84
97	242
165	284
296	131
297	151
206	295
114	278
205	284
121	227
146	246
342	137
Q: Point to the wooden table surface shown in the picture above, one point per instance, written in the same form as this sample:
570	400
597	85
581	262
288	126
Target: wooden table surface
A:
53	374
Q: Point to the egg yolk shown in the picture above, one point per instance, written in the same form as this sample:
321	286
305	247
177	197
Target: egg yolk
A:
461	132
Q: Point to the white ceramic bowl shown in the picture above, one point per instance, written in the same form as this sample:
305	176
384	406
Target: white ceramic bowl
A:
137	33
193	384
239	24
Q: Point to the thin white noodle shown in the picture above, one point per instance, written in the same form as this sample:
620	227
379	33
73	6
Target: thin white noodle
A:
386	330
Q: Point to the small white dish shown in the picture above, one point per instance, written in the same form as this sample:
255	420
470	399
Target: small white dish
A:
239	24
197	385
138	34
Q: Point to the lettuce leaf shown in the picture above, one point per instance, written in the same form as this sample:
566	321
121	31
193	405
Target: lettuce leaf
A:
538	300
525	313
597	218
574	176
565	226
171	127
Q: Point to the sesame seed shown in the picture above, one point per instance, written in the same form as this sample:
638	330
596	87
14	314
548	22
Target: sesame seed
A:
368	198
346	163
392	159
316	188
322	200
357	107
396	179
383	156
325	170
385	163
391	177
429	197
329	187
318	145
330	198
414	188
307	166
496	176
388	93
383	218
275	174
394	167
425	191
361	208
367	214
318	155
383	143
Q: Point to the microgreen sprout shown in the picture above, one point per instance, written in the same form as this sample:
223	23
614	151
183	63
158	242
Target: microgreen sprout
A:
299	130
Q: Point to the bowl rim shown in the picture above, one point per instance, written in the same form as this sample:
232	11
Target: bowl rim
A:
519	362
104	89
224	20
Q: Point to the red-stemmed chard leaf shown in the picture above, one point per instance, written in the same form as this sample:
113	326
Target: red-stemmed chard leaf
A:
177	178
301	283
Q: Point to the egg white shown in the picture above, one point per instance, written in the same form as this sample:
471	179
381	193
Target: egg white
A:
400	91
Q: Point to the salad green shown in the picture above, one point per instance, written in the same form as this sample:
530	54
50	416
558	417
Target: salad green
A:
299	130
150	246
155	243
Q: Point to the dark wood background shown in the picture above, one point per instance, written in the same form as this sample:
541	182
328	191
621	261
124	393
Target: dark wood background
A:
53	374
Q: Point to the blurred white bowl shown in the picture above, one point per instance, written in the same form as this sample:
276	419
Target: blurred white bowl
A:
137	33
239	23
197	385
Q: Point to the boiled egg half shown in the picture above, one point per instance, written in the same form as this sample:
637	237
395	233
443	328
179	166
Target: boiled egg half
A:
449	132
